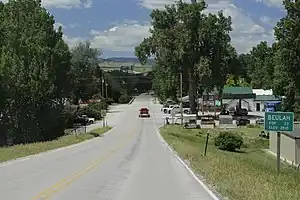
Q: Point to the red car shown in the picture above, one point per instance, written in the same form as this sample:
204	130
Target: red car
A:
144	112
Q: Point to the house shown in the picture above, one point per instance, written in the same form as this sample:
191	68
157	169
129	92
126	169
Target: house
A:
264	97
261	101
242	97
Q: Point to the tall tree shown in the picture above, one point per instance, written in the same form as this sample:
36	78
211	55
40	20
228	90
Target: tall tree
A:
287	70
85	71
262	69
186	40
34	67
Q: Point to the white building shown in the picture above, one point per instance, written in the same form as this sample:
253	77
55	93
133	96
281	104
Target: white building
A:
262	97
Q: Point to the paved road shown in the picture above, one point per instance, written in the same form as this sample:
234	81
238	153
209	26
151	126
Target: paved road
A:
129	163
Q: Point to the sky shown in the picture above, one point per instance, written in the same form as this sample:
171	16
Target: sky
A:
117	26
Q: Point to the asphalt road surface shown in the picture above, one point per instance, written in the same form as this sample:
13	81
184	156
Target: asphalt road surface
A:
128	163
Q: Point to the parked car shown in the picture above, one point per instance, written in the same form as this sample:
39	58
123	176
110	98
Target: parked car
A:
260	121
242	122
241	112
90	120
144	112
168	109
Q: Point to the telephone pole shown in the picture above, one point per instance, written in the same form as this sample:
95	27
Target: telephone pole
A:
181	106
106	93
102	85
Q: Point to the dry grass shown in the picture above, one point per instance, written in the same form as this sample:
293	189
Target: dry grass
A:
247	175
17	151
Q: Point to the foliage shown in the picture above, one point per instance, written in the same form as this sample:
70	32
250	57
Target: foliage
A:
90	112
185	40
228	141
109	101
86	74
34	73
287	71
124	98
262	69
103	105
236	81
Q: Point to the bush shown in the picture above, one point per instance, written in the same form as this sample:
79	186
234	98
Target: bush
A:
229	141
69	119
98	106
253	126
109	101
90	112
124	98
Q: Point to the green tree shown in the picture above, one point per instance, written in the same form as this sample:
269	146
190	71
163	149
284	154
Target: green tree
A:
261	71
287	69
34	67
186	40
85	70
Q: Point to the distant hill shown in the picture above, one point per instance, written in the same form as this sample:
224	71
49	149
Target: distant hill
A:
128	60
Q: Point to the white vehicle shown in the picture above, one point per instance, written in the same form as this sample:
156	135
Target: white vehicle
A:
170	108
90	120
177	110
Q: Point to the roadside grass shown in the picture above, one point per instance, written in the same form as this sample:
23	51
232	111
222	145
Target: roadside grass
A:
245	175
22	150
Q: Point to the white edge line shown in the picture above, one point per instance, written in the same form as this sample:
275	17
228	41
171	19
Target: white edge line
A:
21	159
208	190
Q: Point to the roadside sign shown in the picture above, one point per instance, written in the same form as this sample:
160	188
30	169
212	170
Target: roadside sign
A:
279	121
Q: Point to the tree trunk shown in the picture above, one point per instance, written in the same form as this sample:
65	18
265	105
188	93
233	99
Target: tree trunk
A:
192	91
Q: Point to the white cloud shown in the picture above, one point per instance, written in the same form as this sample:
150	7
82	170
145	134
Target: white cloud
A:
120	38
73	41
123	37
272	3
67	4
64	26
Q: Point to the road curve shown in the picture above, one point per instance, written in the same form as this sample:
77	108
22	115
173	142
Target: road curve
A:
129	163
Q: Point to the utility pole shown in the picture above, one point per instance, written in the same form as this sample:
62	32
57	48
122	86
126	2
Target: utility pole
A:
181	106
102	85
106	93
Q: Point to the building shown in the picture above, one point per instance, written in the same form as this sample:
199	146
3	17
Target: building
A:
234	97
263	98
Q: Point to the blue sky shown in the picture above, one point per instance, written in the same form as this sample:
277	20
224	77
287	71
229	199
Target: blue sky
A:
116	26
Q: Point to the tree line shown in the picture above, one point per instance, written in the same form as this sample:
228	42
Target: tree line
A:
39	74
186	40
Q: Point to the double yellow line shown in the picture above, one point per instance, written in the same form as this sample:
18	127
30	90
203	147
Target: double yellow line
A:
49	192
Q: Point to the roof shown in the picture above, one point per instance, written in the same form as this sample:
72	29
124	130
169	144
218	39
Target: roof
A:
237	90
238	93
262	92
267	98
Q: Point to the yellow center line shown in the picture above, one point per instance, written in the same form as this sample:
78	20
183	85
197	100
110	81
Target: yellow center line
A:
49	192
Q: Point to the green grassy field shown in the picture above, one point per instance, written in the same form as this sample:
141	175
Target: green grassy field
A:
17	151
246	175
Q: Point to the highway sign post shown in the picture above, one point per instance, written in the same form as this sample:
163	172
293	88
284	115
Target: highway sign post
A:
279	122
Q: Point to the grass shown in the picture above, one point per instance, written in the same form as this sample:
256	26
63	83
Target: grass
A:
245	175
17	151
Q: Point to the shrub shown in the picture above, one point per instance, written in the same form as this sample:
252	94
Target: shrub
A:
69	118
229	141
124	98
253	126
90	112
109	101
98	106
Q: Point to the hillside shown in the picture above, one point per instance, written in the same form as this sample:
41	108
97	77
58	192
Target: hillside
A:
117	62
132	60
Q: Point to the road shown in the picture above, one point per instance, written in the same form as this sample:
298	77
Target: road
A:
128	163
